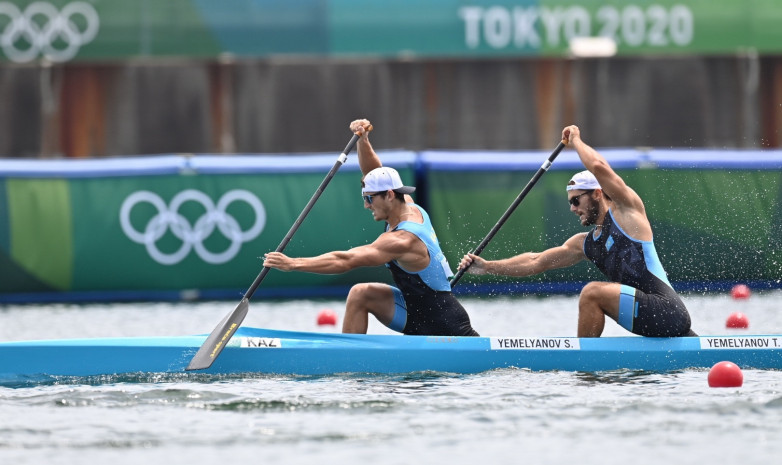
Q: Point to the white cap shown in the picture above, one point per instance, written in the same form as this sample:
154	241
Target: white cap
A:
384	179
583	180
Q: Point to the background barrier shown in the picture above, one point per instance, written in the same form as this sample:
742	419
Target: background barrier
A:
716	215
197	225
174	227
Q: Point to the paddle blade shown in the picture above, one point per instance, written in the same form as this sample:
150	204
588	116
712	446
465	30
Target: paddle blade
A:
219	337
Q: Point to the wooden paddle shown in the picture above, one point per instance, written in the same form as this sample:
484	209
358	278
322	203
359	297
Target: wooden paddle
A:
220	336
546	165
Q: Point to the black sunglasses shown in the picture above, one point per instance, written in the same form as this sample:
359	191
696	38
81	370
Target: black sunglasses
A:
575	200
368	197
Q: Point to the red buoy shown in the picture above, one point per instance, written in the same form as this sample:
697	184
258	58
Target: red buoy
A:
725	374
737	320
740	291
327	317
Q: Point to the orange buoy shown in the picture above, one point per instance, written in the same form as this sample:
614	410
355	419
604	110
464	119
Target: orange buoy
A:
740	291
725	374
737	320
327	317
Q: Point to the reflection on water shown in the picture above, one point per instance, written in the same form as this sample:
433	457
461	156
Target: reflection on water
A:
406	382
625	377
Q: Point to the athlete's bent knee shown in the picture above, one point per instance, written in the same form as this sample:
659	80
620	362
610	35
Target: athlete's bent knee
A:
359	292
591	292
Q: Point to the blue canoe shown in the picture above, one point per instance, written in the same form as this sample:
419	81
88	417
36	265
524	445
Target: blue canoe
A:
254	350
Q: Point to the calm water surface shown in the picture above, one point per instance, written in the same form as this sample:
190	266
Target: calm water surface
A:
605	418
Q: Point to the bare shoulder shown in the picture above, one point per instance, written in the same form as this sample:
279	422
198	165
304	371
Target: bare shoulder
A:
404	247
397	241
576	241
573	247
630	215
629	200
634	223
567	254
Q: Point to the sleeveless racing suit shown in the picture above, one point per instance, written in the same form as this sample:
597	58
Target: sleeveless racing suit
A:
425	304
648	305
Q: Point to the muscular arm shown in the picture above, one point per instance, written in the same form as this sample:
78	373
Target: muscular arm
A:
393	245
530	263
628	207
612	184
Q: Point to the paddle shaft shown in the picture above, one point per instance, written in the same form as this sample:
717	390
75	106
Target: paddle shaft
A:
546	165
219	337
342	158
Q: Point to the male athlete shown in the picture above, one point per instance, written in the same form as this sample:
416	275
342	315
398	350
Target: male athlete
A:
639	296
421	303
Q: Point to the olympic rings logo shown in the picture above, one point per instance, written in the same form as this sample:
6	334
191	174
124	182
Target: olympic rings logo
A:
41	29
192	236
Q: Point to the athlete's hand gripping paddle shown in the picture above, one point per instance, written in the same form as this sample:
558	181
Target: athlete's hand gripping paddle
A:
546	165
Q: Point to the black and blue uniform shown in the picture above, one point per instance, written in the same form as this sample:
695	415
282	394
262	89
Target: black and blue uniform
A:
424	302
648	305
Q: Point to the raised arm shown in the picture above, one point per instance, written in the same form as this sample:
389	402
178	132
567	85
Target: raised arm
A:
367	158
529	263
612	184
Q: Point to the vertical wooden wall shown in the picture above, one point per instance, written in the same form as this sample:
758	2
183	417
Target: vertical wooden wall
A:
284	106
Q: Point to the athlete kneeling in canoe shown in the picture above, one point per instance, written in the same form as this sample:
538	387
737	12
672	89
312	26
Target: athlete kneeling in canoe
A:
640	298
421	303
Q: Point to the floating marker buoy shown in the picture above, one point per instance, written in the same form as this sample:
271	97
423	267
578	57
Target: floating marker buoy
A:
740	291
327	317
725	374
737	320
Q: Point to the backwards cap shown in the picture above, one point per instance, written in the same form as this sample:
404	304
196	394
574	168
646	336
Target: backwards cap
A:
383	179
583	180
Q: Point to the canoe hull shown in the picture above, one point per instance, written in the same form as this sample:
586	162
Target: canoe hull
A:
254	350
